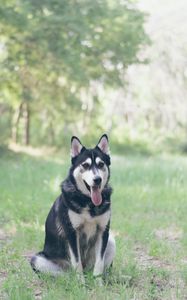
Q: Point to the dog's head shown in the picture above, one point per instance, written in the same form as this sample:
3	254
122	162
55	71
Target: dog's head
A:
90	167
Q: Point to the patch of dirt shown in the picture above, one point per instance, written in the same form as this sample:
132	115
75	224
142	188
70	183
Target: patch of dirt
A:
37	285
38	294
3	275
144	260
184	261
3	235
172	234
173	280
6	235
28	255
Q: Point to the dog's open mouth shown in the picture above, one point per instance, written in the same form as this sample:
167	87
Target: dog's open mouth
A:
95	192
87	186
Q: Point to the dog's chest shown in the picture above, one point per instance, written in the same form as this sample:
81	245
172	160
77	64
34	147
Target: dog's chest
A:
87	224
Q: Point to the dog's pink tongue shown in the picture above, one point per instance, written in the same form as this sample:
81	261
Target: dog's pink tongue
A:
96	196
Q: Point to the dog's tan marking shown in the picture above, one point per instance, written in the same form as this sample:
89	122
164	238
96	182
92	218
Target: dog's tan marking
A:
89	224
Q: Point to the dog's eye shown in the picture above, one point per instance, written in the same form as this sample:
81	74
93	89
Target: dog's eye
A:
100	165
86	166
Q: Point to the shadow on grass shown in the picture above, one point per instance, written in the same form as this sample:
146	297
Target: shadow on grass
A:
6	153
19	156
136	149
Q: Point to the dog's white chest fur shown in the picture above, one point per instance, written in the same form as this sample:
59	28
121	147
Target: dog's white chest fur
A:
88	223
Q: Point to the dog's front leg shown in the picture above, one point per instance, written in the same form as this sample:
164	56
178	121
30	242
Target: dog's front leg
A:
75	257
100	248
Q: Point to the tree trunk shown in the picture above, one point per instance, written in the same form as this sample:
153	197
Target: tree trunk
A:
15	123
26	124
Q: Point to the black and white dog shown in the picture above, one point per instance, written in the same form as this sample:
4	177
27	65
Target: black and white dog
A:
77	227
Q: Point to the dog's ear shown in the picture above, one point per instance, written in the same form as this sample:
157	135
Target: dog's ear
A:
76	146
103	144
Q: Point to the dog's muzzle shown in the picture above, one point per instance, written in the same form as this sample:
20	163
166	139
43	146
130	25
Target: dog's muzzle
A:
95	190
97	181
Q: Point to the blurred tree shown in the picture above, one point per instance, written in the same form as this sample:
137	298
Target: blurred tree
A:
52	50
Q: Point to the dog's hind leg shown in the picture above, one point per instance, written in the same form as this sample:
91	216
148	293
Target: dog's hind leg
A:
40	263
110	251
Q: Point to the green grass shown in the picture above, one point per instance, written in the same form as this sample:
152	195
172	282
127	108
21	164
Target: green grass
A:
149	209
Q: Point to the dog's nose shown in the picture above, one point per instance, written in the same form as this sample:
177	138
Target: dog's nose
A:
97	180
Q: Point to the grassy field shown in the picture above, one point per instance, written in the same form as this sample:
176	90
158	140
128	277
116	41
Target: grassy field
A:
149	220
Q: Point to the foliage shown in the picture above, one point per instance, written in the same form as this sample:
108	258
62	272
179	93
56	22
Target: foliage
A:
53	51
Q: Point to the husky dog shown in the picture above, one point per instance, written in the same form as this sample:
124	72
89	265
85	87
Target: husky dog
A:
77	226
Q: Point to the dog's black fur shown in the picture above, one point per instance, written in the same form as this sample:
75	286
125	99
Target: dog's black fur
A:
60	233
